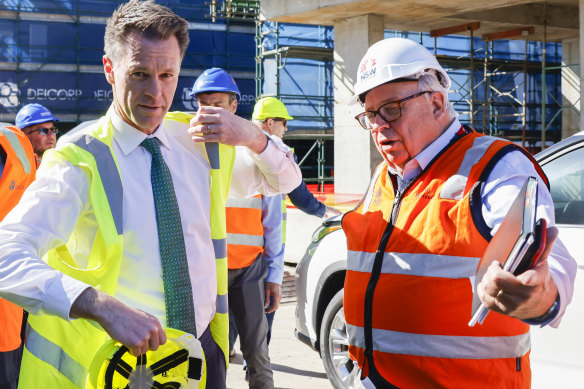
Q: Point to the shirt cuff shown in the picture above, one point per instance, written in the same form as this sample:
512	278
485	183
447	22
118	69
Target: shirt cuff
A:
275	275
63	291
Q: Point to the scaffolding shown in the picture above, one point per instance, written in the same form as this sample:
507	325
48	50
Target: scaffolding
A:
314	138
497	96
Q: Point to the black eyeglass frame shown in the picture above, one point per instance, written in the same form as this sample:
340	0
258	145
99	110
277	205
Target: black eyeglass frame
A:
45	131
363	115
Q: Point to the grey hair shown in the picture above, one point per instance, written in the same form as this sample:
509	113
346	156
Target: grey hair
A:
260	123
428	81
152	20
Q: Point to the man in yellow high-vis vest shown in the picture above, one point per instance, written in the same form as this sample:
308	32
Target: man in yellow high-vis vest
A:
93	215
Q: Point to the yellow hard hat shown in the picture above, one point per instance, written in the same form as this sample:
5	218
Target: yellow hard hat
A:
179	363
270	107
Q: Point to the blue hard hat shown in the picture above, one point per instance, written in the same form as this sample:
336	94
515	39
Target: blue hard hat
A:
32	114
214	80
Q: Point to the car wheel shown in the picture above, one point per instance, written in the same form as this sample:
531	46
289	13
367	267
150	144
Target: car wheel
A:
341	370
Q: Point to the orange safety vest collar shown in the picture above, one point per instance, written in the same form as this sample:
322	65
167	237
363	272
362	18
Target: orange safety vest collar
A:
408	293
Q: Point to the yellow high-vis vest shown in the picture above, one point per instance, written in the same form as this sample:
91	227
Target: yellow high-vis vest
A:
58	352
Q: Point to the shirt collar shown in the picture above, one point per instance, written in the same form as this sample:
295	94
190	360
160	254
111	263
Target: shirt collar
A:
128	137
421	161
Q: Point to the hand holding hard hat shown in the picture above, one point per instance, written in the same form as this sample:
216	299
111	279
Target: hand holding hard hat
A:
179	363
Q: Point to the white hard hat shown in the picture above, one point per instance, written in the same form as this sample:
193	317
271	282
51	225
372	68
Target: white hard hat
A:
392	59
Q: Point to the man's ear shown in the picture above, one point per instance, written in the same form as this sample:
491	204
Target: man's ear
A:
108	69
438	105
234	106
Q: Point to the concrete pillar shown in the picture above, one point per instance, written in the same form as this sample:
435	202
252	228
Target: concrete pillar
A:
570	87
355	154
581	14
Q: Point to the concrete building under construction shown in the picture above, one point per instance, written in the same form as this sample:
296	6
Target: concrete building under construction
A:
514	65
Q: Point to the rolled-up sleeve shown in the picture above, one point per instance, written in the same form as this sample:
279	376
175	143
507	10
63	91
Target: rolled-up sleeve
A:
271	172
44	219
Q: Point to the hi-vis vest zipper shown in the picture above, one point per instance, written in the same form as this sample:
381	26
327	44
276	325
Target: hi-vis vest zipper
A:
58	353
408	292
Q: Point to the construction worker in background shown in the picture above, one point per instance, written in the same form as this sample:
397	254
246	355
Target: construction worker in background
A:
424	223
272	116
17	171
129	216
38	123
254	249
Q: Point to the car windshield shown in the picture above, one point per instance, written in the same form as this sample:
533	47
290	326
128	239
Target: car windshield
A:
566	175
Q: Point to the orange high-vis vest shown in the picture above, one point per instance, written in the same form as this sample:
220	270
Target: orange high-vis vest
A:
245	231
19	171
408	291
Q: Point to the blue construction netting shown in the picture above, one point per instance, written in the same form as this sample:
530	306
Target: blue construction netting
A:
59	60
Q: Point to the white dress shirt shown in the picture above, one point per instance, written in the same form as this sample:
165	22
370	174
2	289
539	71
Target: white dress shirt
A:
49	213
497	195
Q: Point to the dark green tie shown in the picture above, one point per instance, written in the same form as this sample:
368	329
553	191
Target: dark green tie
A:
178	294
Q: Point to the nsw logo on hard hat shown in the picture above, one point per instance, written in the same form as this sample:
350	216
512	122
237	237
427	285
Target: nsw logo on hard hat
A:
368	69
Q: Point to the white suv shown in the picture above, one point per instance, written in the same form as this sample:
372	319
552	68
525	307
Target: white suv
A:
557	359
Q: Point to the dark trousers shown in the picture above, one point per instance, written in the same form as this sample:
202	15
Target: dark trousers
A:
9	368
246	304
215	361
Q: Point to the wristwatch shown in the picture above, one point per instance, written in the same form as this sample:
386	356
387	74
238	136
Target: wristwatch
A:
548	316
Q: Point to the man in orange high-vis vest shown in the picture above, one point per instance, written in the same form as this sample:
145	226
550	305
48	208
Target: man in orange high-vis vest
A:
17	171
415	240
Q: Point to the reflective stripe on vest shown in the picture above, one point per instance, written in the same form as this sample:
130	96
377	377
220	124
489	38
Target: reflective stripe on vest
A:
454	187
245	240
424	265
110	177
18	149
442	346
49	352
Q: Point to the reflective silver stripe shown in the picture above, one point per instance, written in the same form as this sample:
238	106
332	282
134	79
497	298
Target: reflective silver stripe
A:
110	177
49	352
222	305
213	155
443	346
426	265
17	147
245	240
453	188
220	247
251	202
284	215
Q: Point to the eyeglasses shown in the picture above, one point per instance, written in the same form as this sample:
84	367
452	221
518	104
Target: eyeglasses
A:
284	121
45	131
389	111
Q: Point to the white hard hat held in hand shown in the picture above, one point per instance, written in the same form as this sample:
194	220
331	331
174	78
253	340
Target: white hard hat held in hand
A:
393	59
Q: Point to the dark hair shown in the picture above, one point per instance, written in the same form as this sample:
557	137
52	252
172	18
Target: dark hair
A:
152	20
